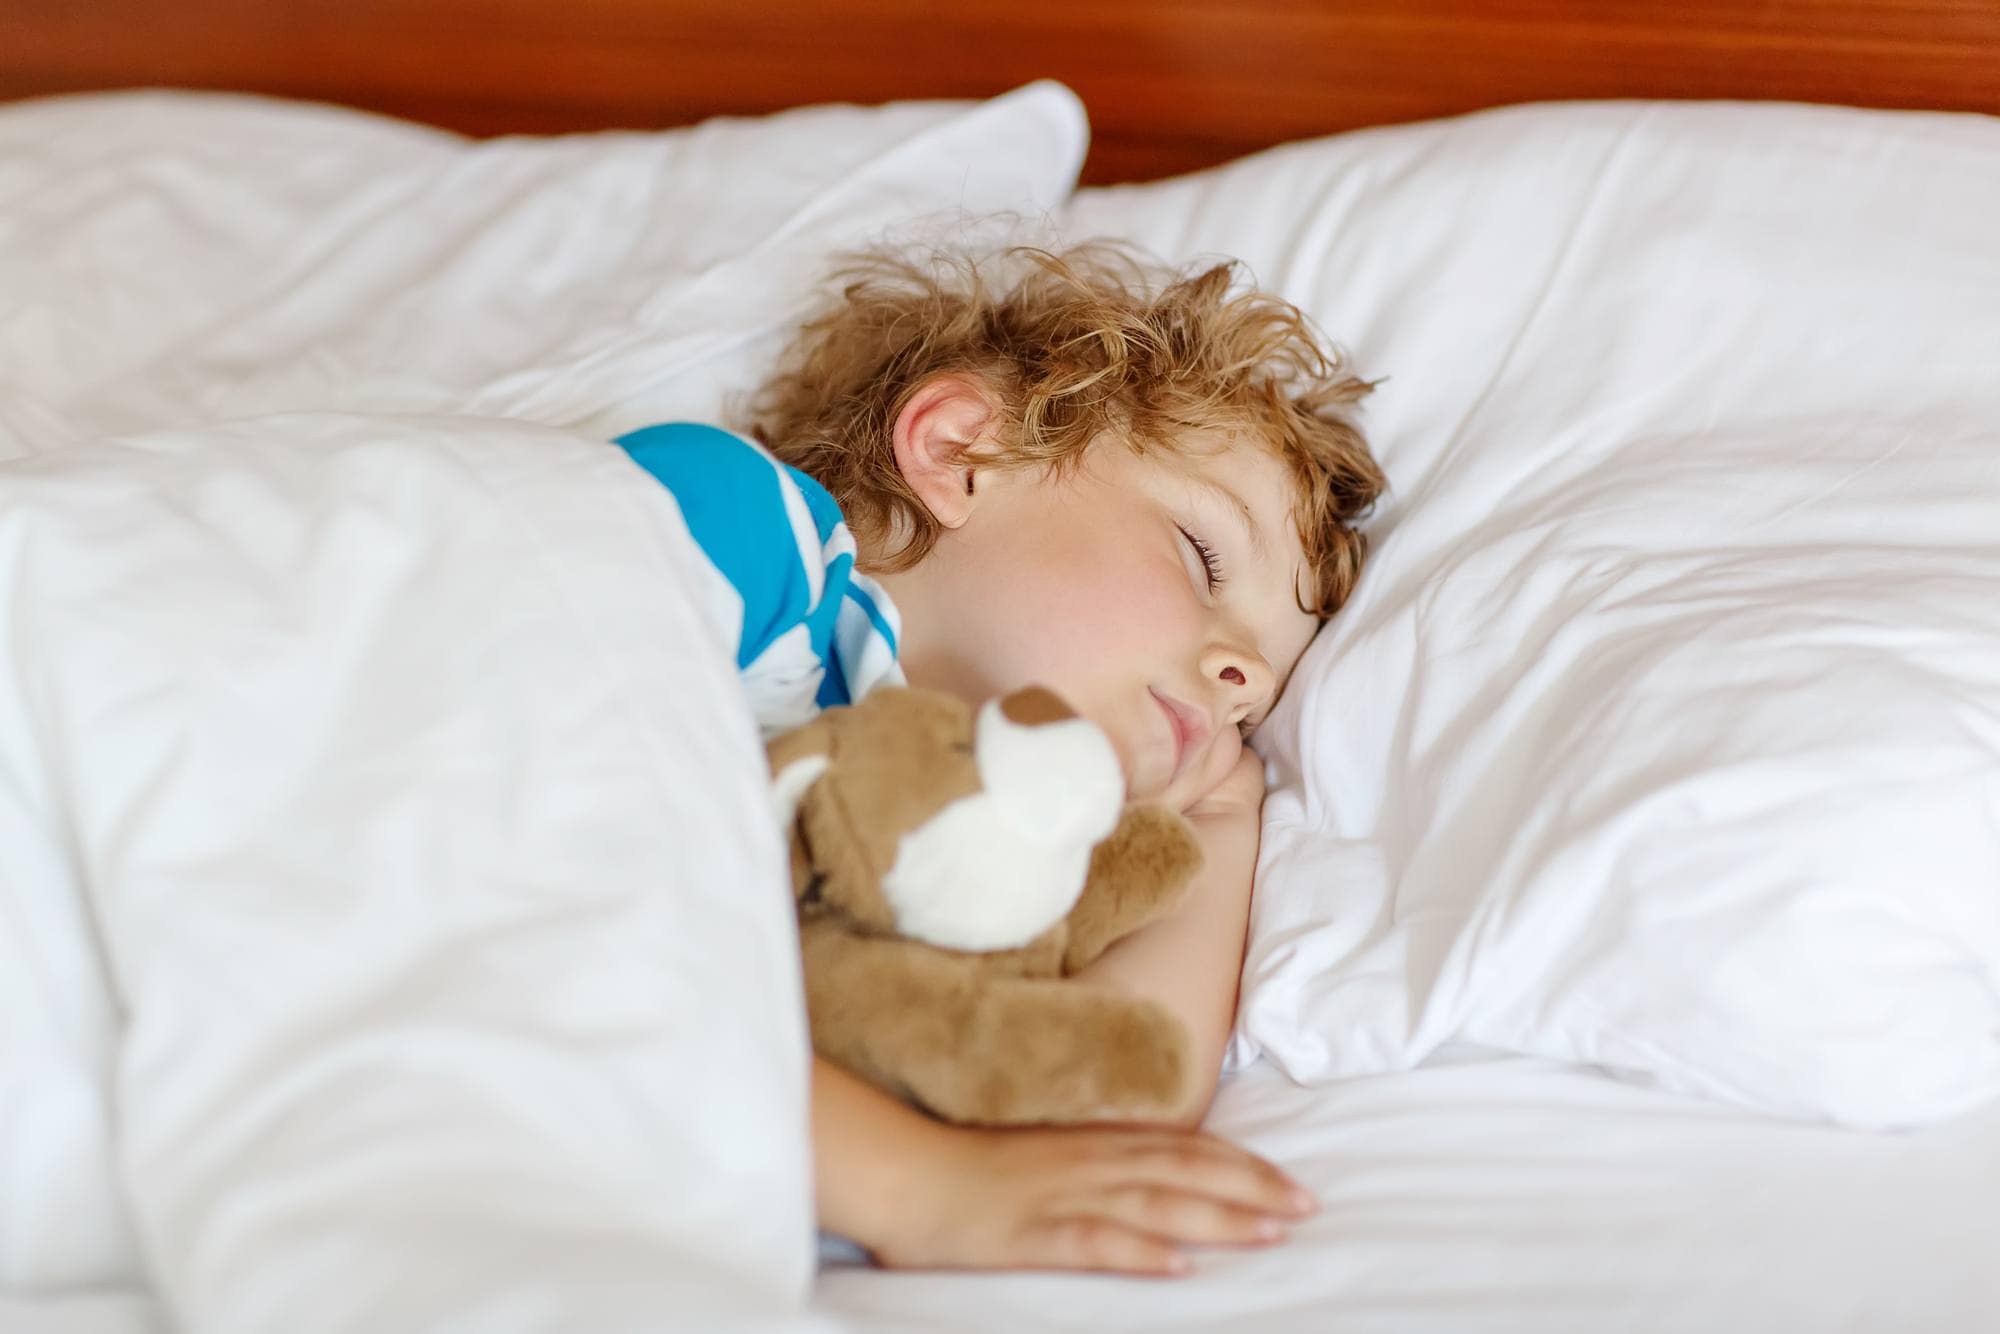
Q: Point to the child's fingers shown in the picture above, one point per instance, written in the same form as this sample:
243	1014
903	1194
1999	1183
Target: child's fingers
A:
1123	1201
1188	1219
1082	1241
1208	1166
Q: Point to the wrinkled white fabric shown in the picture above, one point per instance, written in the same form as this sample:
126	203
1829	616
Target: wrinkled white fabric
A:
170	259
1663	732
1483	1194
393	885
390	930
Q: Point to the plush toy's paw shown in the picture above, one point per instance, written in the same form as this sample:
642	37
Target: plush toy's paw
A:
1051	1053
1139	874
1145	1064
1156	853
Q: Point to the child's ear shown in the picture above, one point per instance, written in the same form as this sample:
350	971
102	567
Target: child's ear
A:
934	438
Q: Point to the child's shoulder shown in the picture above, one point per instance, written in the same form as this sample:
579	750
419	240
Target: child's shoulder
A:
696	454
727	476
812	630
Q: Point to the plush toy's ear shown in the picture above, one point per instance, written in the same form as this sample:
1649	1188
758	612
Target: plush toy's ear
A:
798	758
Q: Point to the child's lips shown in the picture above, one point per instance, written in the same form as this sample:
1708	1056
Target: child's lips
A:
1188	727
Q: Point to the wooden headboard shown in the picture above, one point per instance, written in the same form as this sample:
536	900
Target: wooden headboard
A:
1171	84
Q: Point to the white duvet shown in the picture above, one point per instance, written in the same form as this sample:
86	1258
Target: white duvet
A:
385	781
393	934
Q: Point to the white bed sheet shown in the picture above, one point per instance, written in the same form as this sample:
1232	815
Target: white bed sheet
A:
1488	1194
1492	1193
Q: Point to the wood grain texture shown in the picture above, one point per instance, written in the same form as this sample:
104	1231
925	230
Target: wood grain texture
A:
1171	84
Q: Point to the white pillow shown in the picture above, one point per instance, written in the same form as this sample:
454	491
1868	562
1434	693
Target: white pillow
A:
170	258
1664	729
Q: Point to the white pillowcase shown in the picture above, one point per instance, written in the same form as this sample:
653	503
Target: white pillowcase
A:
1664	730
172	258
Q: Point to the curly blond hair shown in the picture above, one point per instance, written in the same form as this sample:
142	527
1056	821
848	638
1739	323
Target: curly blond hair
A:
1071	347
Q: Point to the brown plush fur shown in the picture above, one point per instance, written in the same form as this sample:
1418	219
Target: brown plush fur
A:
996	1038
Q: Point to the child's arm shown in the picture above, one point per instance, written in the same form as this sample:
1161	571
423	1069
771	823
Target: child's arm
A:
1192	962
918	1193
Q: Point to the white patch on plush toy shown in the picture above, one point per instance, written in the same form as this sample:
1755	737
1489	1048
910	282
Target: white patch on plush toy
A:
1060	781
995	869
791	783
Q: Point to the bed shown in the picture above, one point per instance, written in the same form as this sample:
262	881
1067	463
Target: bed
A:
1626	949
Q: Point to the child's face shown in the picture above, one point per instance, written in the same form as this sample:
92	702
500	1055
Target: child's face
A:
1095	585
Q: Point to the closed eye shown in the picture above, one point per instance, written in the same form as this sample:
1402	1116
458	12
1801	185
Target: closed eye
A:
1210	562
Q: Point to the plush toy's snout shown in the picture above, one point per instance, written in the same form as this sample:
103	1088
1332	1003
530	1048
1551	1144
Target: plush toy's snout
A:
1052	775
996	868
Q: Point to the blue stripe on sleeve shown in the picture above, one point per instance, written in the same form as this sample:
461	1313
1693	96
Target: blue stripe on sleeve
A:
875	616
732	499
819	626
833	689
819	501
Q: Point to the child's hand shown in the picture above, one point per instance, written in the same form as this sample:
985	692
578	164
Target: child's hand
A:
1125	1200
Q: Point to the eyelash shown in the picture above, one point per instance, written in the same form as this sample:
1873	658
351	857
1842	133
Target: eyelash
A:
1212	563
1209	560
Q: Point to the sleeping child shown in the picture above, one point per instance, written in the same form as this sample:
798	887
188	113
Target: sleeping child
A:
1135	488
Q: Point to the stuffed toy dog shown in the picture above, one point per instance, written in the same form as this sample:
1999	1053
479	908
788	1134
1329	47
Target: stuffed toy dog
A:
953	868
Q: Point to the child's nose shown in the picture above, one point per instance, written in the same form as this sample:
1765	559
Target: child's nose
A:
1239	673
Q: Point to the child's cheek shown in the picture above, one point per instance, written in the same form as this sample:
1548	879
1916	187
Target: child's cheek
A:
1123	637
1099	612
1058	628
